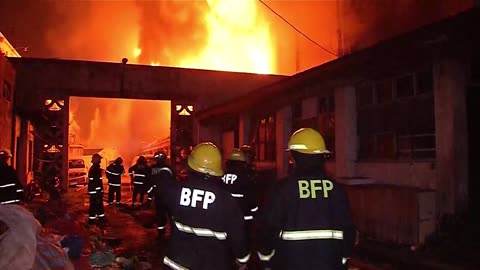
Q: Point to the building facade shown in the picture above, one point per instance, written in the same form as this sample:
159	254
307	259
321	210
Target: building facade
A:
396	117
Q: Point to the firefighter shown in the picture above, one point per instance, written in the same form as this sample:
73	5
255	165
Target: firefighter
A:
236	180
139	174
114	174
11	191
307	222
95	190
160	173
206	222
250	157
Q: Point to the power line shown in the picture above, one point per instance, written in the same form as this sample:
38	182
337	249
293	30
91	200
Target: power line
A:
297	30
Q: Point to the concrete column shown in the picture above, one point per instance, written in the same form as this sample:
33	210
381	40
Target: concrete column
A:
345	131
64	150
209	133
310	108
283	130
22	152
244	129
450	76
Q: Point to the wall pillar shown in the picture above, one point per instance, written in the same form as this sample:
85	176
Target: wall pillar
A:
244	129
345	131
283	129
22	153
450	76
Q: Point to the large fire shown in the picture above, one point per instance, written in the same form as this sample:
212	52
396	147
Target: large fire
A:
238	40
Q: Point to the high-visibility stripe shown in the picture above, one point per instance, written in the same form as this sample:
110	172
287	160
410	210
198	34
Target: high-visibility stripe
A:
166	169
149	198
19	190
173	264
139	175
92	192
254	209
107	171
201	231
244	259
115	185
138	183
345	260
311	235
248	217
92	217
11	201
160	227
265	257
98	188
91	179
101	215
7	185
78	177
237	195
150	190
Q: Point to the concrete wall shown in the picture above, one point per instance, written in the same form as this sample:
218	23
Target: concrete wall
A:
283	129
7	77
346	143
24	151
450	79
412	174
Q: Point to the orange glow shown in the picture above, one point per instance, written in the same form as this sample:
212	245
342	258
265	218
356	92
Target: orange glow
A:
238	40
137	52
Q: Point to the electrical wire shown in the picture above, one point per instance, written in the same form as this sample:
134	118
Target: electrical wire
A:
297	30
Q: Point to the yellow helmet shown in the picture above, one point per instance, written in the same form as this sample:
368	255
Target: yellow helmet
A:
237	155
206	158
307	141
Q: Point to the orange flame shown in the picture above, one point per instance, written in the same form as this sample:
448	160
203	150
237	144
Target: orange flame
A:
238	40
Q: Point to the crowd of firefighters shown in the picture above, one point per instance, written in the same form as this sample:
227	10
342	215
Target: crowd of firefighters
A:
215	221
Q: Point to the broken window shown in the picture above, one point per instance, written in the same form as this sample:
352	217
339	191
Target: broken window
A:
264	138
400	128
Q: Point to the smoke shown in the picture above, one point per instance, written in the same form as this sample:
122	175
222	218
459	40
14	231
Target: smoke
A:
366	22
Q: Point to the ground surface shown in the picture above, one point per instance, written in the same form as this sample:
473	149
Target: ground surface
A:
129	233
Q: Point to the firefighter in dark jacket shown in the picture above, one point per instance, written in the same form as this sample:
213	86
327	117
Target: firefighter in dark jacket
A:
114	174
139	174
11	191
306	223
95	190
237	181
160	173
250	157
207	224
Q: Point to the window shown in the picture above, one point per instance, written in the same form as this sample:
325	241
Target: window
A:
405	87
326	104
395	127
297	110
364	94
7	91
424	81
264	138
383	91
